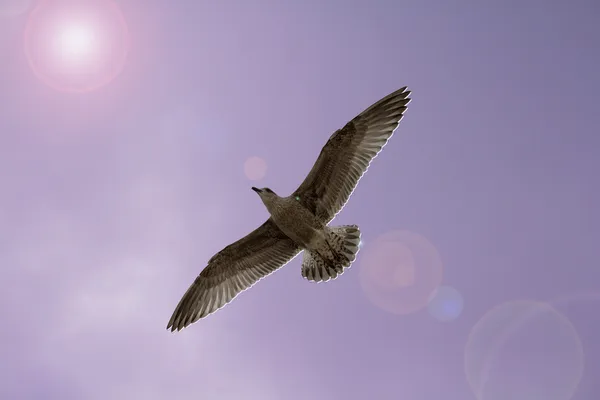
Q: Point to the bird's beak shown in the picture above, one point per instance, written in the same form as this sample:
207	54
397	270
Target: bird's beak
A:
257	190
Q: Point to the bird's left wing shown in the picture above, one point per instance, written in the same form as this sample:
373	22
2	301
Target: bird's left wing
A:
234	269
347	155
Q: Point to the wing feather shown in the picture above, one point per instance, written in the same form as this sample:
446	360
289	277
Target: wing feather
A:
231	271
347	155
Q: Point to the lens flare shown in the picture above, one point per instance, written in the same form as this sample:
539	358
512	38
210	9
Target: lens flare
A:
524	350
400	271
255	168
76	46
446	304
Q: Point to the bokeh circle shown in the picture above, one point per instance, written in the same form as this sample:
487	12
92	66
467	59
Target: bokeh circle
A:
76	46
524	350
400	271
255	168
446	304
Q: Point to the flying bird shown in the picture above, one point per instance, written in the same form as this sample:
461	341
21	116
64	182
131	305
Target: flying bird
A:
299	222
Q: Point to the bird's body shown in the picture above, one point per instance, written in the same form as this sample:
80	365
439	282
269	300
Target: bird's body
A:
295	220
321	243
300	221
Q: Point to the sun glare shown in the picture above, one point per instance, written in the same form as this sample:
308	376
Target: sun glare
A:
76	46
76	41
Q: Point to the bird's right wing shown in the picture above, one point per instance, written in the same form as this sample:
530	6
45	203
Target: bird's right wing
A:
234	269
347	155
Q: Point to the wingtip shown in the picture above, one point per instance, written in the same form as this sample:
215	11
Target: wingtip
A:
404	90
405	93
176	326
171	326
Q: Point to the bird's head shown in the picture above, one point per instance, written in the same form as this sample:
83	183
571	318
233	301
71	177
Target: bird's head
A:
266	195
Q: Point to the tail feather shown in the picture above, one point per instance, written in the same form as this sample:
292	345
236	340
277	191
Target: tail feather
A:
335	256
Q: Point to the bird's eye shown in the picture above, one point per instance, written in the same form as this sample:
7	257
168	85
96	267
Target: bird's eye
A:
268	190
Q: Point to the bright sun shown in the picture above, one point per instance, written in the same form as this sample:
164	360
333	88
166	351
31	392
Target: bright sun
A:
76	41
76	46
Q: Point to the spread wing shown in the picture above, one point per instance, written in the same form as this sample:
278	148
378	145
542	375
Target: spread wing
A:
347	155
234	269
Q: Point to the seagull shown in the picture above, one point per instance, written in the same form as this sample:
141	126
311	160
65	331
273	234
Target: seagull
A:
299	222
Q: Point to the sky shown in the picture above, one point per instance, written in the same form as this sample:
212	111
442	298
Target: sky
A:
130	137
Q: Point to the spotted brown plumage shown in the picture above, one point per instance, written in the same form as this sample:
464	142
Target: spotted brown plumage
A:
232	270
347	156
300	221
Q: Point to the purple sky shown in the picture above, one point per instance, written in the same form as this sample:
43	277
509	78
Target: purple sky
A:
112	201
